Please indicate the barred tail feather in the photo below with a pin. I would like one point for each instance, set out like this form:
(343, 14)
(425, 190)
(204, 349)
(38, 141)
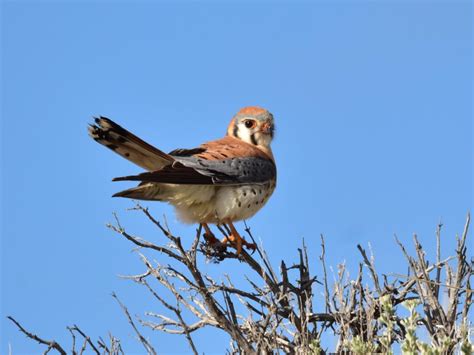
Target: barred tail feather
(129, 146)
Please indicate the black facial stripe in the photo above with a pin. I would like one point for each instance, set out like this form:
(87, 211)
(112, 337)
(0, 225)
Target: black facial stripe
(236, 131)
(253, 139)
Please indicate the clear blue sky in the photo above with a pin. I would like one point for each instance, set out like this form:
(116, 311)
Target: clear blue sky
(374, 137)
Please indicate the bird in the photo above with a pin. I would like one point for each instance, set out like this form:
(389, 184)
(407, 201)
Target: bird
(220, 182)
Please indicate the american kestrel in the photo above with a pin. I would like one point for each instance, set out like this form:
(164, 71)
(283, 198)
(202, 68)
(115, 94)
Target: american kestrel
(220, 182)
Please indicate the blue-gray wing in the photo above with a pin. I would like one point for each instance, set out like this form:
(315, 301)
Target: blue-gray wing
(233, 170)
(194, 170)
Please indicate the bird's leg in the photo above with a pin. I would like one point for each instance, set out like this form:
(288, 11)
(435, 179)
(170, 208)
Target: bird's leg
(237, 240)
(208, 235)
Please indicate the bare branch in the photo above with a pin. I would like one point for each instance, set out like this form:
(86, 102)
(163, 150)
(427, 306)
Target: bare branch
(280, 312)
(52, 344)
(146, 344)
(87, 339)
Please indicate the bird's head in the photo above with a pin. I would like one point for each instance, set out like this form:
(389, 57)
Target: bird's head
(253, 125)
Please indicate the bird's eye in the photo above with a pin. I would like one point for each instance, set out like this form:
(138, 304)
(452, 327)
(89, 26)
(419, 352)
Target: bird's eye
(249, 123)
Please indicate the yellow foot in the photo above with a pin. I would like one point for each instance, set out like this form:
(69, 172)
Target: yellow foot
(237, 241)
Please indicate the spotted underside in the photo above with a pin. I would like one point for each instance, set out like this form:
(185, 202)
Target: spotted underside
(206, 203)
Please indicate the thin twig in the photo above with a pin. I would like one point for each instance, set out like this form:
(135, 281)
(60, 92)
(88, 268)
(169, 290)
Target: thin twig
(50, 343)
(142, 339)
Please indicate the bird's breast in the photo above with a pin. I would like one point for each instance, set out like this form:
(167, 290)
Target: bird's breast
(220, 204)
(237, 203)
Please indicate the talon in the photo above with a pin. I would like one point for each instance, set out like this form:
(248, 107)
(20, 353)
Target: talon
(251, 246)
(211, 238)
(237, 241)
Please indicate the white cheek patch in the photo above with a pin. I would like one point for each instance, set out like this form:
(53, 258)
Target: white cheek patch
(244, 134)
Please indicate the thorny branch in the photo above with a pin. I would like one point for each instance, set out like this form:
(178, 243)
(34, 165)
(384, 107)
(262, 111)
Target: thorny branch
(281, 312)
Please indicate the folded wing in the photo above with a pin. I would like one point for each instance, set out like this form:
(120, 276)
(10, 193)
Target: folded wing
(197, 171)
